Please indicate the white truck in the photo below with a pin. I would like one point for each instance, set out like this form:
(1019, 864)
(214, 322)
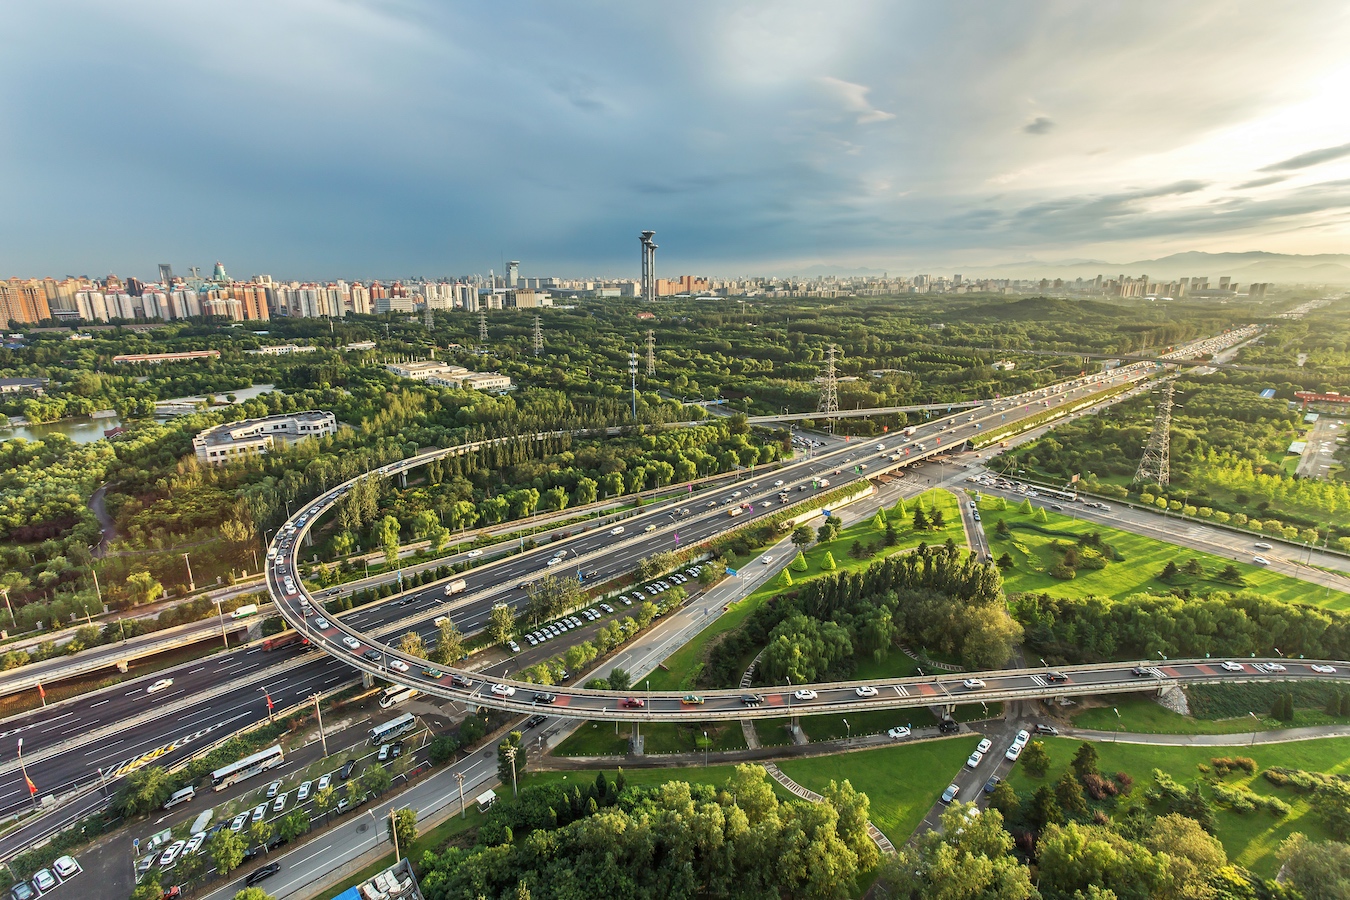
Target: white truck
(456, 586)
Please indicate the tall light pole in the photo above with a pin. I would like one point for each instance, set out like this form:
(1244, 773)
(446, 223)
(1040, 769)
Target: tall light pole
(459, 777)
(848, 733)
(192, 585)
(225, 639)
(318, 714)
(1256, 723)
(393, 831)
(14, 623)
(706, 742)
(510, 752)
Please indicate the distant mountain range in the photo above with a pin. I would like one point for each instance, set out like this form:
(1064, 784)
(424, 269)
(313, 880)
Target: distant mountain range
(1244, 268)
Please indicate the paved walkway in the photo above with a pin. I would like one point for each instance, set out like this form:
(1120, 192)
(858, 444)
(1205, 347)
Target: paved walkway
(1238, 739)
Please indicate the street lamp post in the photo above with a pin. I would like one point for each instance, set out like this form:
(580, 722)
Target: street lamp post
(14, 623)
(848, 733)
(318, 714)
(224, 637)
(1117, 712)
(705, 749)
(1256, 723)
(510, 752)
(192, 585)
(459, 777)
(393, 831)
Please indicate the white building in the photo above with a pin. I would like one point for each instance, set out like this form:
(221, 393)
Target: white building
(424, 369)
(234, 441)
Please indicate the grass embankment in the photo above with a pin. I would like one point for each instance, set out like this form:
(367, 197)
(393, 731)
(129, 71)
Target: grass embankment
(1142, 716)
(1030, 544)
(602, 739)
(903, 782)
(680, 670)
(1250, 839)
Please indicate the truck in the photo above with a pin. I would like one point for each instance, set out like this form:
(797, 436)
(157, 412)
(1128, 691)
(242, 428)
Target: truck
(244, 611)
(909, 432)
(735, 511)
(824, 482)
(285, 639)
(456, 586)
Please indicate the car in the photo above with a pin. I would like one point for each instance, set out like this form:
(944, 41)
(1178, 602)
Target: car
(398, 665)
(545, 698)
(948, 726)
(22, 891)
(897, 733)
(984, 745)
(752, 699)
(343, 805)
(1229, 666)
(973, 684)
(503, 690)
(865, 690)
(950, 793)
(160, 685)
(768, 560)
(1269, 667)
(474, 553)
(44, 880)
(193, 844)
(348, 767)
(273, 789)
(1055, 677)
(169, 856)
(634, 703)
(258, 812)
(324, 782)
(553, 562)
(66, 866)
(1323, 670)
(977, 517)
(1056, 507)
(534, 721)
(237, 824)
(778, 483)
(991, 784)
(1262, 545)
(351, 642)
(279, 804)
(432, 672)
(1022, 737)
(302, 793)
(1014, 750)
(320, 622)
(691, 700)
(513, 646)
(804, 694)
(1260, 560)
(262, 874)
(974, 759)
(383, 755)
(1047, 729)
(373, 655)
(627, 601)
(1141, 672)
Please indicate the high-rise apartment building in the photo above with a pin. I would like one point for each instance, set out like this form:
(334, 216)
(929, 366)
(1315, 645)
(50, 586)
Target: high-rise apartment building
(512, 273)
(23, 301)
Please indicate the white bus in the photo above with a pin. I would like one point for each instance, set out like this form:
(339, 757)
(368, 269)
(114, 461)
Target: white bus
(382, 734)
(247, 767)
(396, 694)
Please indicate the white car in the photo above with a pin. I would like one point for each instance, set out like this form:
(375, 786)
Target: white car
(1260, 560)
(66, 866)
(238, 823)
(170, 854)
(554, 561)
(866, 690)
(302, 794)
(767, 560)
(974, 759)
(897, 733)
(616, 530)
(804, 694)
(398, 665)
(474, 553)
(160, 685)
(1014, 751)
(778, 483)
(279, 804)
(503, 690)
(1269, 667)
(258, 812)
(320, 622)
(1022, 737)
(973, 684)
(1229, 666)
(1323, 670)
(513, 646)
(984, 746)
(324, 781)
(194, 843)
(44, 880)
(350, 641)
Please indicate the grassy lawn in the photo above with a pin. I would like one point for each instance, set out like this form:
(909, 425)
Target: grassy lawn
(1143, 716)
(893, 665)
(877, 721)
(714, 775)
(599, 738)
(1029, 545)
(903, 782)
(681, 667)
(1250, 839)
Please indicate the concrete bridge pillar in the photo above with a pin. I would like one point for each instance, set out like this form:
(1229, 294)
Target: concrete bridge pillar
(403, 479)
(636, 742)
(367, 680)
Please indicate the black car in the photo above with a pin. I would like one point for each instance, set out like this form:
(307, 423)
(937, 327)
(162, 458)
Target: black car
(396, 750)
(991, 784)
(948, 726)
(347, 768)
(373, 655)
(545, 698)
(262, 874)
(1141, 672)
(752, 699)
(1056, 677)
(532, 721)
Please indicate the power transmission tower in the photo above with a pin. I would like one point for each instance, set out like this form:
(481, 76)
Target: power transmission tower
(829, 390)
(651, 353)
(482, 325)
(1155, 467)
(538, 337)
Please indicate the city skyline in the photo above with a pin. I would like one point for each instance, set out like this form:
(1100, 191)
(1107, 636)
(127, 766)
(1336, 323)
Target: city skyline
(312, 140)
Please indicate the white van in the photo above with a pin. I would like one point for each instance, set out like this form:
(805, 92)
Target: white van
(244, 611)
(182, 796)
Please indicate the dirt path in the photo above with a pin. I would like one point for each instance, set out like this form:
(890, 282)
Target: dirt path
(105, 521)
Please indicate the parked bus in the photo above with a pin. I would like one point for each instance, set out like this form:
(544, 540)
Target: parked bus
(383, 734)
(247, 767)
(396, 694)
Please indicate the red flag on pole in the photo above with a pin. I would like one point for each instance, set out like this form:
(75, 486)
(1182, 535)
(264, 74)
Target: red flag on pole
(32, 788)
(41, 692)
(269, 700)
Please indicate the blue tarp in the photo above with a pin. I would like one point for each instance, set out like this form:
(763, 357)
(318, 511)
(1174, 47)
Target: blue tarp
(1268, 393)
(350, 893)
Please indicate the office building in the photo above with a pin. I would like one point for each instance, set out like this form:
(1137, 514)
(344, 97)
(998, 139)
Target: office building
(512, 273)
(234, 441)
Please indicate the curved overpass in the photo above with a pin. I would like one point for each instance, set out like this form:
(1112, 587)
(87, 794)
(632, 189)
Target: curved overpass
(381, 660)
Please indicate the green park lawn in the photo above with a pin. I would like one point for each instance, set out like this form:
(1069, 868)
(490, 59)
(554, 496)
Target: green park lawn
(1250, 839)
(1142, 716)
(601, 739)
(903, 782)
(1029, 546)
(680, 670)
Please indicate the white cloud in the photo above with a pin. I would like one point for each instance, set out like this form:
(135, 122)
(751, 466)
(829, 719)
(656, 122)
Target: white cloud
(853, 97)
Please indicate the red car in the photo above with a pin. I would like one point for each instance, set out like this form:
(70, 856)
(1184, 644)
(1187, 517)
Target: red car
(634, 703)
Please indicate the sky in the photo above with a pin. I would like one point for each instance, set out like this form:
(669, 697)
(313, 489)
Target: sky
(317, 139)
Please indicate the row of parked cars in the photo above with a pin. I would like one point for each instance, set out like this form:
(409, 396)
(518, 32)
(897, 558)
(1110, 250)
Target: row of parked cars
(44, 880)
